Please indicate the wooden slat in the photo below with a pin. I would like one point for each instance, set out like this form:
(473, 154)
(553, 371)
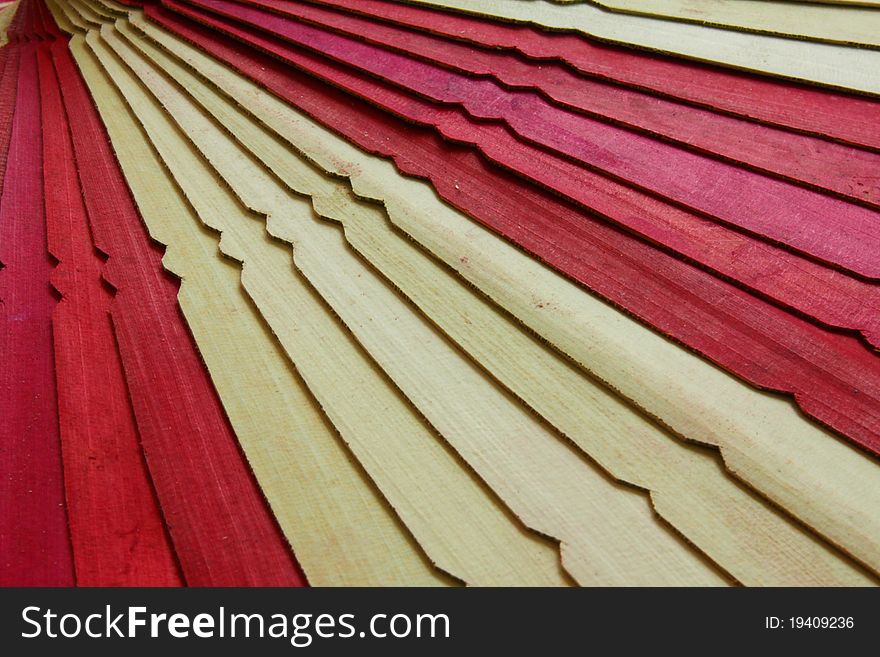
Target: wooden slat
(806, 160)
(462, 528)
(859, 26)
(825, 228)
(765, 345)
(608, 534)
(342, 530)
(757, 432)
(118, 539)
(749, 538)
(222, 529)
(35, 545)
(825, 64)
(822, 113)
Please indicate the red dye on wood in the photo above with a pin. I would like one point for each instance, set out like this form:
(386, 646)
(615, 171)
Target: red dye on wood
(43, 21)
(842, 170)
(4, 52)
(834, 378)
(810, 288)
(117, 530)
(34, 542)
(8, 83)
(827, 114)
(220, 524)
(829, 229)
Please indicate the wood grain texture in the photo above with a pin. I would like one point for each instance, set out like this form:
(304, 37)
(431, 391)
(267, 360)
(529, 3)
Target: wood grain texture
(817, 291)
(817, 63)
(748, 538)
(814, 224)
(608, 534)
(118, 539)
(821, 113)
(856, 26)
(756, 432)
(342, 530)
(763, 344)
(810, 288)
(219, 522)
(9, 61)
(809, 161)
(461, 526)
(35, 545)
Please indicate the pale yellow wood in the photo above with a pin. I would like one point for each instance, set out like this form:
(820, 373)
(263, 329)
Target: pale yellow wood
(819, 63)
(830, 486)
(61, 18)
(116, 8)
(88, 17)
(341, 529)
(858, 26)
(458, 522)
(104, 10)
(68, 19)
(608, 532)
(753, 541)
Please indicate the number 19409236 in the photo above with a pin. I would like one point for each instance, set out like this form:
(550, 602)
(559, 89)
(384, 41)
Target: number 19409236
(809, 622)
